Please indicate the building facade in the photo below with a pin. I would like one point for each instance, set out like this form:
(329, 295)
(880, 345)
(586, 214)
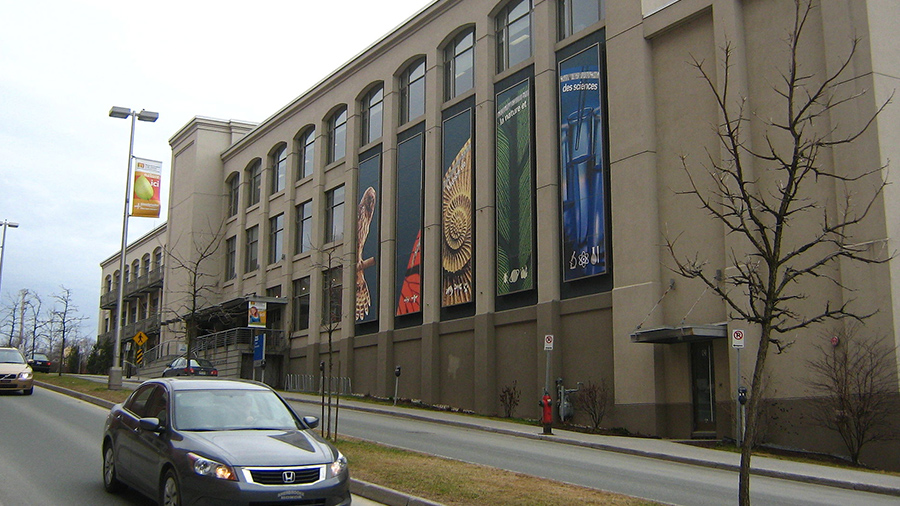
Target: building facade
(488, 175)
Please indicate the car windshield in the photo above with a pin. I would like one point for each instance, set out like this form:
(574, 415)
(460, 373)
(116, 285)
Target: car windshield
(200, 362)
(11, 357)
(41, 356)
(210, 410)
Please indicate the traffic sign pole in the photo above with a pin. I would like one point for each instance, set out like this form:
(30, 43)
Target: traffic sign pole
(737, 342)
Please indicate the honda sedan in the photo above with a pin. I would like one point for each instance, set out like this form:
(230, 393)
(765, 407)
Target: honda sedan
(204, 441)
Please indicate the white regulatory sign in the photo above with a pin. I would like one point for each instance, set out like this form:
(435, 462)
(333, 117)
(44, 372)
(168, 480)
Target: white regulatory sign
(737, 338)
(548, 342)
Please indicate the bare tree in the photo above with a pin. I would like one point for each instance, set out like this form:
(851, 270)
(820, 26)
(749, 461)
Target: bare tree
(331, 320)
(67, 321)
(594, 399)
(199, 286)
(856, 380)
(764, 285)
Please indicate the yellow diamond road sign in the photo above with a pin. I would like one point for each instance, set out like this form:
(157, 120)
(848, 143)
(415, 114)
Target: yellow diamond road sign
(140, 338)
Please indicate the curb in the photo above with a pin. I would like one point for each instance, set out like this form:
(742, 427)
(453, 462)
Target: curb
(361, 488)
(784, 475)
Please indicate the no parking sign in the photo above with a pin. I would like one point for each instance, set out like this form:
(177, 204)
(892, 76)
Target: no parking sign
(737, 338)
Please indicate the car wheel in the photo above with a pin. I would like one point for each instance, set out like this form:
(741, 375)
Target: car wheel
(28, 391)
(169, 490)
(110, 481)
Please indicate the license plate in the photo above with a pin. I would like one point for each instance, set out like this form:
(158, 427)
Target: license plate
(201, 373)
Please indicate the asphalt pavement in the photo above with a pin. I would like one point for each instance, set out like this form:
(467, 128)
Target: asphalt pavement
(646, 447)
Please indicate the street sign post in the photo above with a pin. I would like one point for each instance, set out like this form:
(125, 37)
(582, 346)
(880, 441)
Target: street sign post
(259, 354)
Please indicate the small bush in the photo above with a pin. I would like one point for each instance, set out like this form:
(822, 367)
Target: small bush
(509, 398)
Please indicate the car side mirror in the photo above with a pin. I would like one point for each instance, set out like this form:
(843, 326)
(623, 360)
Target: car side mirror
(311, 422)
(151, 424)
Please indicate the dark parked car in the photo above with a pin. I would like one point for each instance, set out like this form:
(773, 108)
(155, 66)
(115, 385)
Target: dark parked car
(197, 367)
(39, 362)
(203, 441)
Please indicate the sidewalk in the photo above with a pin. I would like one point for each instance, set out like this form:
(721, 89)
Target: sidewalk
(644, 447)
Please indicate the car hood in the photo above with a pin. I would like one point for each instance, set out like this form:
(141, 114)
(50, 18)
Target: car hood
(7, 368)
(264, 447)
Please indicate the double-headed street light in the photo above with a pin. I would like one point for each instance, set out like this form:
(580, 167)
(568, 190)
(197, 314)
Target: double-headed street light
(10, 224)
(115, 373)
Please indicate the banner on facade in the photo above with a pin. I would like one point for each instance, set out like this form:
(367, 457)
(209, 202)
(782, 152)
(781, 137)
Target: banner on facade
(514, 190)
(367, 225)
(457, 220)
(256, 314)
(408, 262)
(581, 126)
(145, 201)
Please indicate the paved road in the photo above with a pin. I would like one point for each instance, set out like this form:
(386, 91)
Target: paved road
(658, 480)
(50, 453)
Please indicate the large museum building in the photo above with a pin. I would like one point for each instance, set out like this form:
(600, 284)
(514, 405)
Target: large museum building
(483, 198)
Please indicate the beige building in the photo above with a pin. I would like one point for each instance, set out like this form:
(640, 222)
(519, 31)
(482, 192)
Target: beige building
(488, 175)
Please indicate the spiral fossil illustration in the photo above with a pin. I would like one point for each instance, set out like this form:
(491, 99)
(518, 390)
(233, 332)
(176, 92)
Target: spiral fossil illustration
(456, 214)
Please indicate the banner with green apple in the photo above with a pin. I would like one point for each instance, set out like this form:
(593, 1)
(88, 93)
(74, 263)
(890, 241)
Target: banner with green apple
(145, 191)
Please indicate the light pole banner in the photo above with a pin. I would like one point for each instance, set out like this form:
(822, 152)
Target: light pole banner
(145, 189)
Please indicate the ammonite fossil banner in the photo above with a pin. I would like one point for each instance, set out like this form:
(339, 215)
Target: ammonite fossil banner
(457, 220)
(583, 197)
(410, 169)
(515, 190)
(367, 233)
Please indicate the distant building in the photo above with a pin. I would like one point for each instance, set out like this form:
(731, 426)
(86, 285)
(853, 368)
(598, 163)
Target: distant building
(490, 174)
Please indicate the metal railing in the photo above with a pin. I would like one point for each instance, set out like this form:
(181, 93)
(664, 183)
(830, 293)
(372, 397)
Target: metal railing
(311, 383)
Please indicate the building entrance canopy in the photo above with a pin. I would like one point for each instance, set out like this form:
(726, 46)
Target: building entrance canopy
(682, 334)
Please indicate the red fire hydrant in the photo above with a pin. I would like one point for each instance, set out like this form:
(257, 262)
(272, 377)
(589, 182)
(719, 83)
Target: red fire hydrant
(547, 413)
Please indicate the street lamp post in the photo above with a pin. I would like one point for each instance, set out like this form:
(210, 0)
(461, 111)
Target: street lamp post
(9, 224)
(115, 373)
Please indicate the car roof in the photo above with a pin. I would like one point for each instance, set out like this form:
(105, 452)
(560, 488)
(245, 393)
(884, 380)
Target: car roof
(180, 384)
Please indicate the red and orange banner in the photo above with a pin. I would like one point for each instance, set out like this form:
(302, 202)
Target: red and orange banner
(145, 188)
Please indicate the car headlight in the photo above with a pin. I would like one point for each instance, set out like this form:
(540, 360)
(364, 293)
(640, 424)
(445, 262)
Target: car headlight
(206, 467)
(25, 375)
(339, 465)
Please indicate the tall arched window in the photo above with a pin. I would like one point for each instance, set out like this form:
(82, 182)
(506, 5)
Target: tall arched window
(459, 64)
(254, 180)
(372, 112)
(337, 135)
(234, 194)
(513, 34)
(412, 91)
(279, 168)
(305, 147)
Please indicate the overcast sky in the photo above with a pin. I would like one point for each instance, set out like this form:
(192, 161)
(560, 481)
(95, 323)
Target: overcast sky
(64, 63)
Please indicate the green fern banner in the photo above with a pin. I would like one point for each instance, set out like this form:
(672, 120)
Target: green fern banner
(515, 190)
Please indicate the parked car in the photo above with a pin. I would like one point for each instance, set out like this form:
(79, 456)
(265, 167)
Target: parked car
(15, 373)
(39, 362)
(196, 367)
(223, 441)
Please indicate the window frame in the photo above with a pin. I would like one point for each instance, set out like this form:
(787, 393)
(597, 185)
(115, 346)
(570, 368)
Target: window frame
(334, 214)
(301, 315)
(306, 152)
(276, 238)
(566, 15)
(407, 83)
(332, 289)
(372, 113)
(279, 168)
(254, 180)
(337, 135)
(304, 221)
(503, 24)
(251, 245)
(452, 57)
(231, 258)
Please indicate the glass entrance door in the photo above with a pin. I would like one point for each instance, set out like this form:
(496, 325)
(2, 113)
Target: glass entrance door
(703, 386)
